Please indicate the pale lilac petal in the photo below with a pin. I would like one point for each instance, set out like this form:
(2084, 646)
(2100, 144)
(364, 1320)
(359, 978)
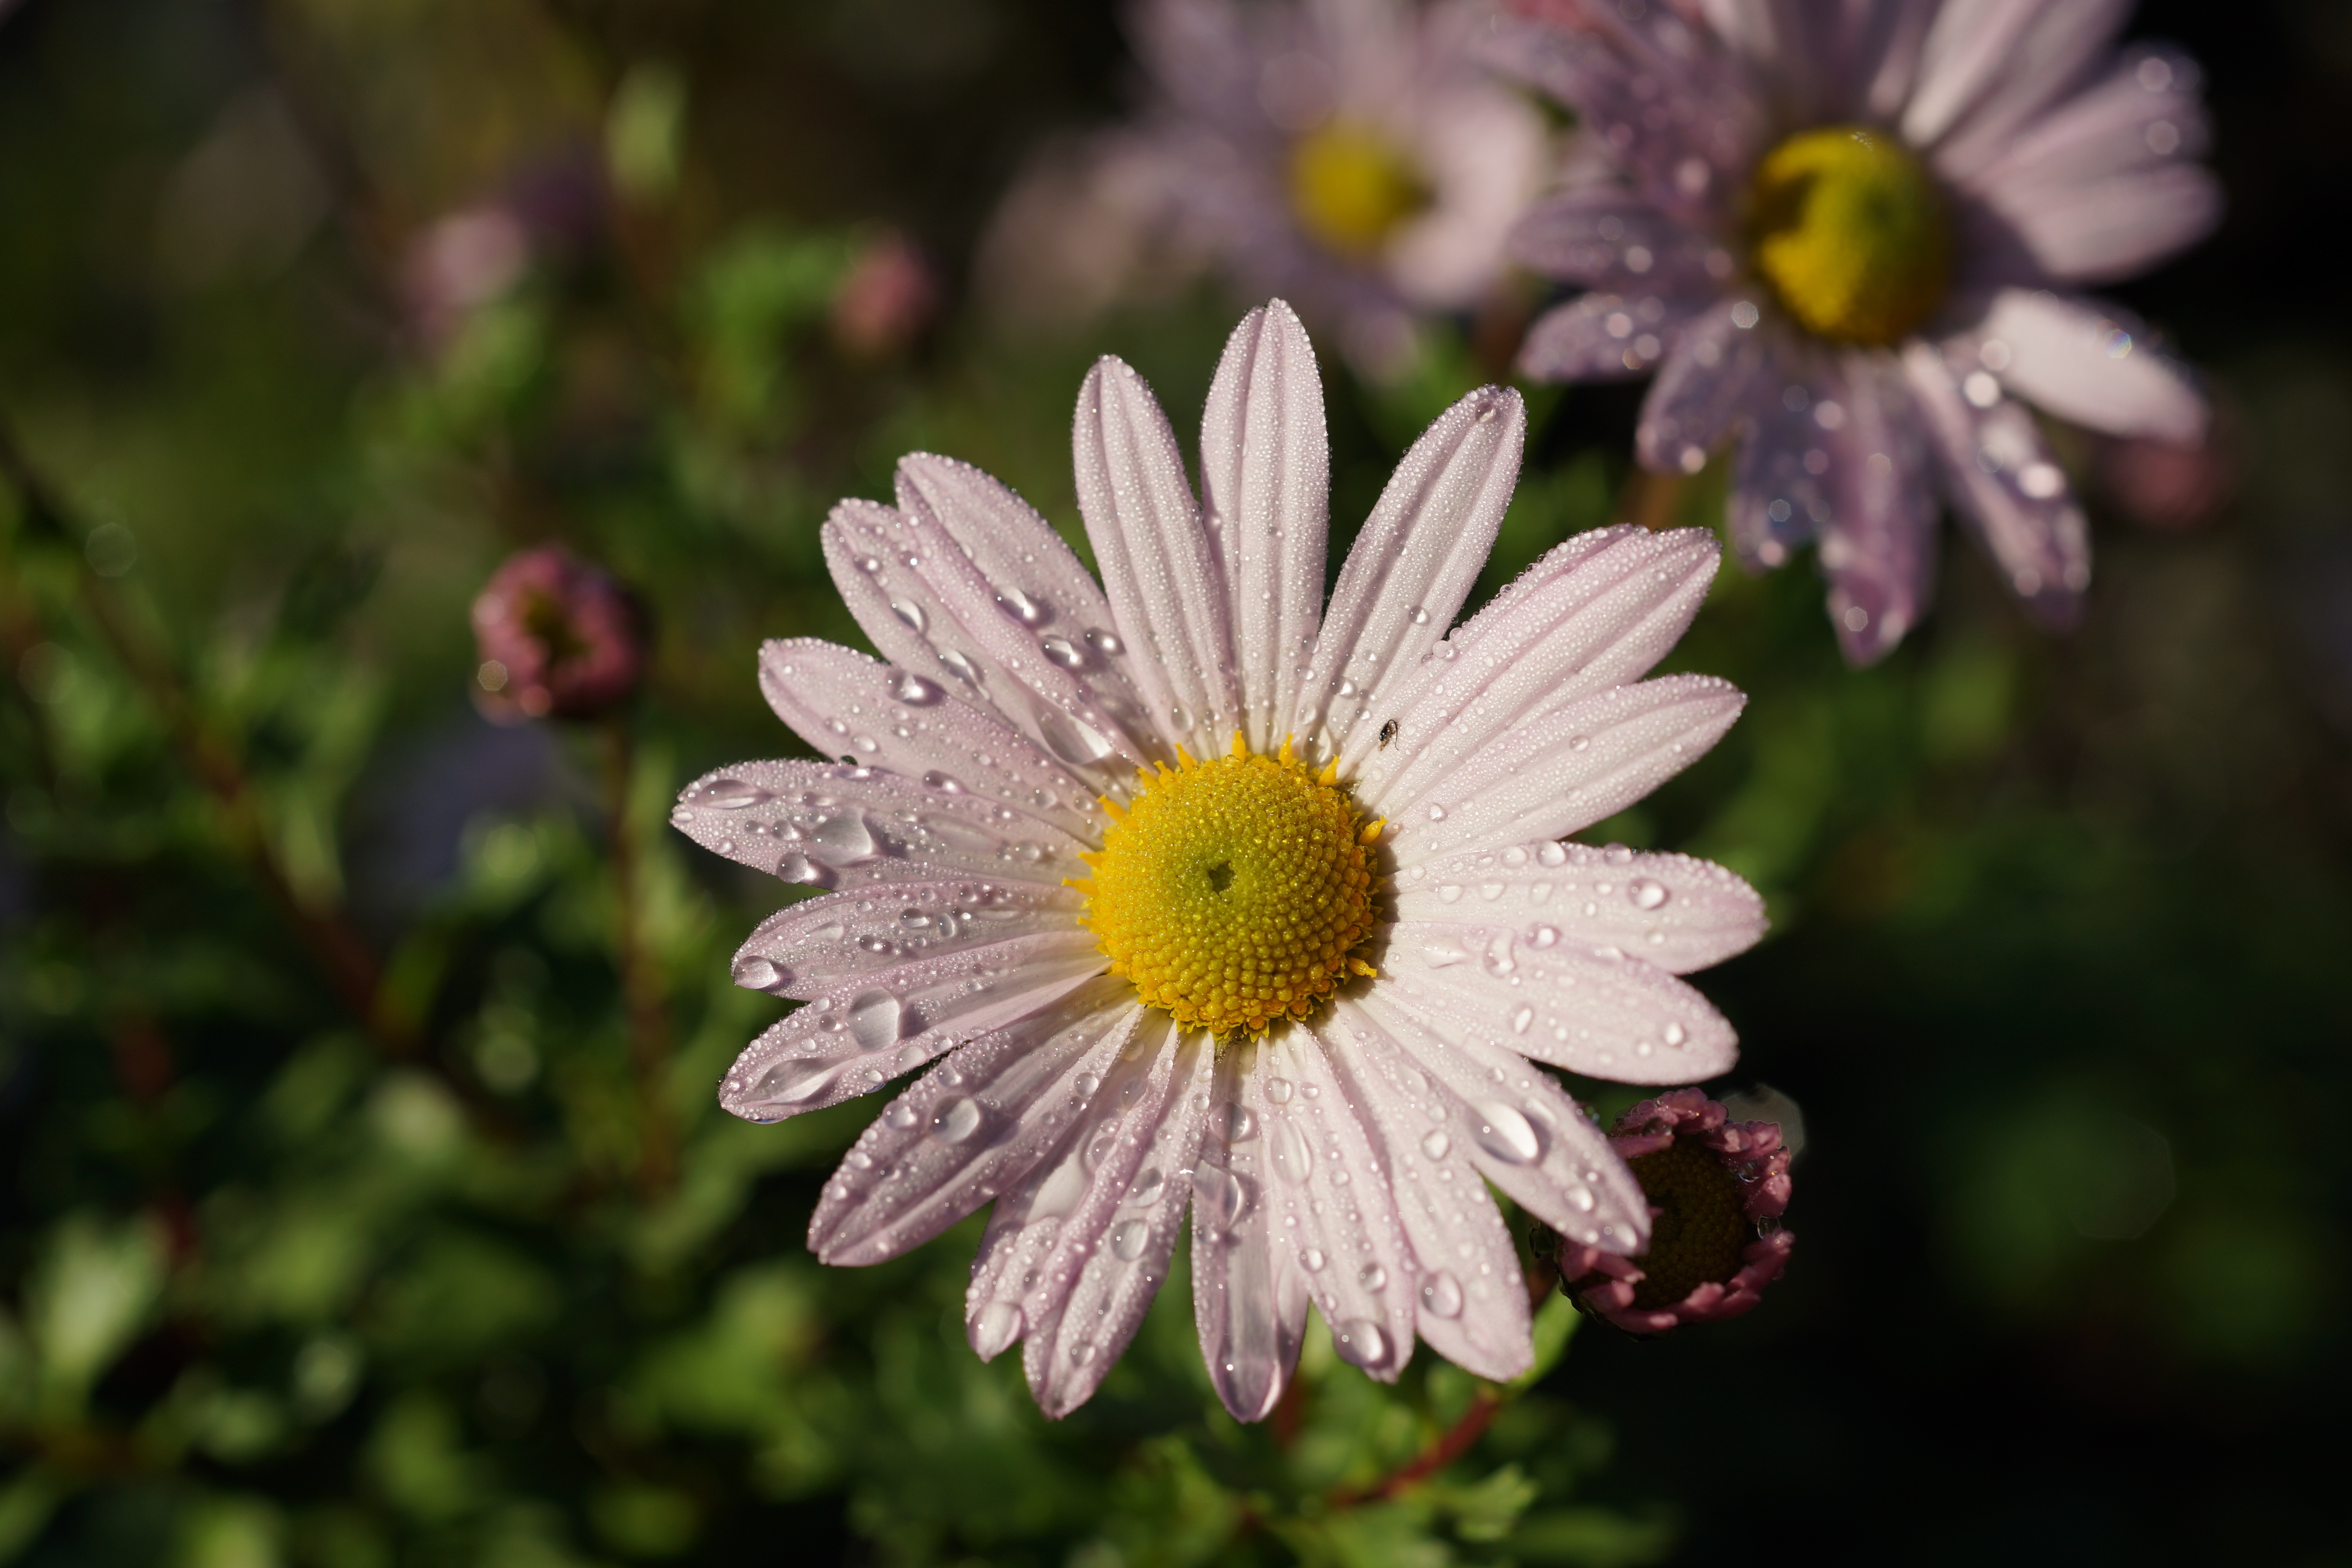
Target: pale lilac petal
(1596, 611)
(1671, 910)
(1594, 1011)
(1780, 491)
(2114, 229)
(1605, 236)
(2144, 114)
(1416, 560)
(1472, 1301)
(2002, 481)
(847, 705)
(931, 612)
(1167, 588)
(1606, 336)
(1508, 1117)
(1249, 1298)
(2091, 363)
(1105, 1304)
(1888, 57)
(854, 1040)
(1800, 53)
(829, 824)
(1568, 768)
(1989, 66)
(1878, 545)
(807, 949)
(1706, 381)
(971, 1126)
(1266, 474)
(1329, 1183)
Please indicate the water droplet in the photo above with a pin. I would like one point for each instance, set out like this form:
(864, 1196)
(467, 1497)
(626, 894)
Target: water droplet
(944, 783)
(1063, 652)
(732, 793)
(901, 1117)
(753, 973)
(1580, 742)
(1126, 1240)
(1450, 892)
(874, 1018)
(996, 1327)
(1022, 607)
(1240, 1123)
(798, 867)
(914, 688)
(1552, 853)
(1373, 1277)
(1420, 616)
(962, 669)
(1312, 1260)
(909, 612)
(1521, 1018)
(1108, 642)
(1581, 1197)
(1146, 1189)
(1072, 740)
(843, 839)
(1085, 1085)
(1279, 1090)
(1677, 1036)
(1436, 1146)
(1293, 1156)
(1645, 894)
(790, 1082)
(1442, 1294)
(1361, 1342)
(1507, 1135)
(1223, 1197)
(1436, 813)
(957, 1119)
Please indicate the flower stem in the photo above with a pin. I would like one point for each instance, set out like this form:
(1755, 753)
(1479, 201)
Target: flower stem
(1451, 1445)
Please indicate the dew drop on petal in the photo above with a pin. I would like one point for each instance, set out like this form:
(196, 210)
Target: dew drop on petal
(1312, 1260)
(790, 1082)
(1506, 1134)
(1646, 893)
(957, 1119)
(1279, 1090)
(874, 1018)
(732, 793)
(909, 612)
(915, 689)
(1293, 1156)
(753, 973)
(1239, 1124)
(1373, 1277)
(900, 1116)
(1146, 1187)
(1442, 1294)
(996, 1327)
(1128, 1240)
(1361, 1342)
(1436, 1146)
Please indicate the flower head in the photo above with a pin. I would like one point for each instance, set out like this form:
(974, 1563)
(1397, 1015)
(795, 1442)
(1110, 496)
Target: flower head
(558, 637)
(1717, 1189)
(1204, 895)
(1846, 238)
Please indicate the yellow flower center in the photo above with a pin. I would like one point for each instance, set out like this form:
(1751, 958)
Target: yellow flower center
(1351, 188)
(1849, 229)
(1234, 892)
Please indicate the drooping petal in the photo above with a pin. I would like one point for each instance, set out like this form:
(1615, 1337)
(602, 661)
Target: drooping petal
(1416, 560)
(973, 1126)
(2091, 363)
(1670, 910)
(829, 824)
(1167, 588)
(1703, 387)
(847, 705)
(1606, 336)
(1878, 542)
(2002, 481)
(1565, 769)
(807, 949)
(1265, 475)
(1471, 1301)
(1249, 1298)
(1512, 1121)
(851, 1041)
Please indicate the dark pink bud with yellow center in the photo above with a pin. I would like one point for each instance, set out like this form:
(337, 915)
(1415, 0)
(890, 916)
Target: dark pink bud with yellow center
(558, 638)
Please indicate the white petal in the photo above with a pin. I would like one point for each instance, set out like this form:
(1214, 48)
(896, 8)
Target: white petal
(1780, 489)
(1989, 66)
(1249, 1298)
(1878, 542)
(847, 705)
(1566, 768)
(1416, 560)
(2004, 483)
(1596, 612)
(829, 824)
(2112, 229)
(1670, 910)
(2145, 113)
(1471, 1299)
(1702, 387)
(1606, 336)
(971, 1126)
(1594, 1011)
(809, 948)
(1116, 1282)
(1524, 1134)
(1167, 589)
(854, 1040)
(2090, 363)
(1327, 1186)
(1266, 474)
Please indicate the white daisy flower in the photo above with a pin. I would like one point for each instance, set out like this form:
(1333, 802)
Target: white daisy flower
(1206, 896)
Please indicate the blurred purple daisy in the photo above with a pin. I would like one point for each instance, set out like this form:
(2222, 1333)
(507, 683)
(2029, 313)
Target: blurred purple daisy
(1209, 895)
(1845, 237)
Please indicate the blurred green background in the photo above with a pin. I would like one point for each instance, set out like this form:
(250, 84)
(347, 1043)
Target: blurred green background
(364, 1199)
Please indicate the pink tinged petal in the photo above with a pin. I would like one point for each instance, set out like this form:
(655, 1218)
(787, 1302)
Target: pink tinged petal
(1471, 1301)
(1249, 1298)
(1888, 57)
(1117, 1278)
(1675, 912)
(1266, 474)
(1989, 66)
(931, 612)
(1607, 237)
(2116, 227)
(2091, 363)
(2144, 114)
(1569, 768)
(1416, 560)
(973, 1126)
(810, 948)
(1594, 613)
(2003, 481)
(847, 705)
(1334, 1213)
(1605, 336)
(1167, 588)
(1594, 1011)
(1779, 490)
(1878, 546)
(829, 824)
(1511, 1120)
(853, 1040)
(1704, 385)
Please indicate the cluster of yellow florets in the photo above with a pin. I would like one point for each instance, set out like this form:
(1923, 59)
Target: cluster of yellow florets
(1235, 891)
(1850, 232)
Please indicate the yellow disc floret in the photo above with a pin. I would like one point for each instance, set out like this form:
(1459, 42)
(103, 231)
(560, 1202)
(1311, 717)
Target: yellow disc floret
(1236, 891)
(1351, 188)
(1850, 231)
